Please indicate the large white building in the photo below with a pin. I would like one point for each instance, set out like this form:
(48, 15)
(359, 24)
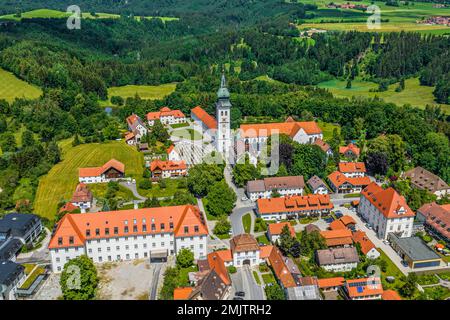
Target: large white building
(129, 234)
(110, 171)
(285, 186)
(386, 211)
(166, 116)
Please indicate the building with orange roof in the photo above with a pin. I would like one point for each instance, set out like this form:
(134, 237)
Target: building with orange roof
(350, 151)
(168, 169)
(130, 138)
(245, 250)
(390, 295)
(337, 259)
(352, 169)
(324, 146)
(337, 225)
(182, 293)
(337, 238)
(363, 289)
(110, 171)
(137, 128)
(82, 197)
(331, 284)
(274, 230)
(149, 233)
(293, 207)
(68, 207)
(173, 154)
(203, 119)
(386, 211)
(367, 246)
(166, 116)
(340, 183)
(436, 219)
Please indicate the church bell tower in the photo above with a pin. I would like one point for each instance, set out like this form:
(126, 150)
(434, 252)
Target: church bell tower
(223, 110)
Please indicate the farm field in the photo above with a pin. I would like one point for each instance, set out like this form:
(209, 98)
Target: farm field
(400, 18)
(62, 179)
(12, 87)
(49, 13)
(144, 92)
(414, 94)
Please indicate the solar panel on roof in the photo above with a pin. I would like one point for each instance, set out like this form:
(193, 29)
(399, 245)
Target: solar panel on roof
(360, 289)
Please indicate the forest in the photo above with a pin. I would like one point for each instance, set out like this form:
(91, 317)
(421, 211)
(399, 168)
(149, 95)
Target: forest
(75, 68)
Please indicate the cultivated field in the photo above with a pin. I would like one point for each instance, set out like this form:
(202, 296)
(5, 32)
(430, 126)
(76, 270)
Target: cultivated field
(400, 18)
(144, 92)
(62, 179)
(12, 87)
(413, 94)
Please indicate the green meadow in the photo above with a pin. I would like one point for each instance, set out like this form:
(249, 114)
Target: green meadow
(12, 87)
(144, 92)
(413, 94)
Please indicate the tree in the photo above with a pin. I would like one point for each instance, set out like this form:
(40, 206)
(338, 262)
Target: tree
(349, 84)
(28, 138)
(53, 152)
(220, 199)
(151, 203)
(223, 226)
(79, 279)
(202, 177)
(274, 292)
(185, 258)
(76, 140)
(183, 197)
(159, 132)
(377, 163)
(409, 287)
(8, 142)
(243, 172)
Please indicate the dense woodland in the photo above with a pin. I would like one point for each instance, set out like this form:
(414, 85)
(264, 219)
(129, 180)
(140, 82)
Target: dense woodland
(75, 68)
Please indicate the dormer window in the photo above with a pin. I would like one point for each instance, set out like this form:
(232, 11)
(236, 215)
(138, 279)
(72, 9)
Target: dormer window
(88, 233)
(153, 227)
(116, 230)
(107, 231)
(144, 228)
(60, 241)
(162, 226)
(186, 229)
(135, 229)
(125, 229)
(97, 232)
(195, 228)
(71, 240)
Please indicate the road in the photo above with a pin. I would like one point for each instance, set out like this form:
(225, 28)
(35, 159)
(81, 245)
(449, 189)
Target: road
(40, 255)
(236, 218)
(243, 280)
(155, 280)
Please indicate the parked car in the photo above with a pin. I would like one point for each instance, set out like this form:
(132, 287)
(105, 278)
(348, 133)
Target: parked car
(238, 298)
(329, 220)
(240, 294)
(386, 242)
(368, 226)
(230, 232)
(244, 198)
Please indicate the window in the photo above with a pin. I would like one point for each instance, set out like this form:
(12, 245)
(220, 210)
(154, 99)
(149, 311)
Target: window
(58, 259)
(145, 246)
(195, 228)
(117, 248)
(59, 268)
(71, 240)
(60, 241)
(118, 257)
(128, 256)
(97, 232)
(171, 225)
(108, 249)
(125, 229)
(100, 259)
(127, 247)
(136, 255)
(135, 246)
(99, 249)
(107, 231)
(153, 227)
(144, 228)
(135, 229)
(186, 229)
(134, 221)
(162, 244)
(116, 230)
(88, 233)
(162, 226)
(145, 254)
(109, 258)
(90, 250)
(126, 222)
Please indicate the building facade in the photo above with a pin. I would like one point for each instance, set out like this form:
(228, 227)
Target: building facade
(285, 186)
(110, 171)
(167, 116)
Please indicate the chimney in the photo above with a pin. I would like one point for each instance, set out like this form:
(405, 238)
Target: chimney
(83, 210)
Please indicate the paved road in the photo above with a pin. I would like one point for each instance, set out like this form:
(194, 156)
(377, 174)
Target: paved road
(155, 280)
(236, 218)
(40, 255)
(243, 280)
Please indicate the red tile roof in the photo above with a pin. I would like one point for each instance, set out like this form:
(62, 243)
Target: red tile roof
(132, 119)
(331, 282)
(280, 268)
(167, 165)
(129, 136)
(265, 251)
(97, 171)
(338, 179)
(294, 204)
(390, 295)
(207, 119)
(337, 237)
(217, 264)
(277, 228)
(337, 225)
(350, 147)
(156, 220)
(182, 293)
(346, 220)
(82, 194)
(288, 128)
(349, 167)
(169, 149)
(68, 207)
(438, 217)
(165, 112)
(387, 201)
(322, 144)
(244, 242)
(365, 243)
(364, 287)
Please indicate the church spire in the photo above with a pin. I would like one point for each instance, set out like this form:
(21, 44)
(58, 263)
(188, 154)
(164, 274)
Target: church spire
(223, 92)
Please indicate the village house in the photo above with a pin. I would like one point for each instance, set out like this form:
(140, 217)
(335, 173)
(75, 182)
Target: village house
(172, 154)
(82, 197)
(307, 289)
(338, 259)
(294, 207)
(167, 116)
(285, 186)
(350, 151)
(69, 207)
(12, 276)
(324, 146)
(137, 129)
(425, 180)
(149, 233)
(339, 183)
(274, 230)
(367, 246)
(25, 227)
(110, 171)
(363, 289)
(331, 284)
(436, 220)
(337, 238)
(317, 185)
(352, 169)
(168, 169)
(386, 211)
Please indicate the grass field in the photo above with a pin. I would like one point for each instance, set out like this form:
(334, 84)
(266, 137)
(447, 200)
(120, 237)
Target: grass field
(144, 92)
(12, 87)
(400, 18)
(247, 222)
(327, 129)
(62, 179)
(99, 191)
(413, 94)
(189, 134)
(49, 13)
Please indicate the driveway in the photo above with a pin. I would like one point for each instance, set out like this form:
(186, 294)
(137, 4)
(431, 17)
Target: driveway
(155, 280)
(243, 280)
(132, 186)
(40, 255)
(236, 218)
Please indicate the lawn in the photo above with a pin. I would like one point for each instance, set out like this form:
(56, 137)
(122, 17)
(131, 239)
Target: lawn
(256, 276)
(187, 134)
(327, 129)
(268, 278)
(28, 267)
(247, 222)
(172, 186)
(263, 239)
(99, 191)
(12, 87)
(391, 270)
(60, 182)
(413, 94)
(32, 277)
(144, 92)
(179, 125)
